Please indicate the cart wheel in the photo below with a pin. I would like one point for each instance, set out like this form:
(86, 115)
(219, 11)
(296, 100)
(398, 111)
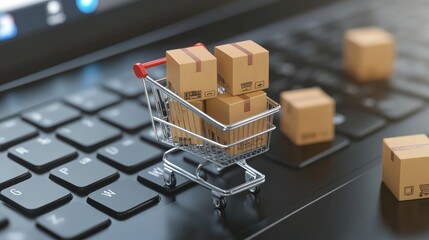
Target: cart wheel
(170, 179)
(255, 189)
(219, 202)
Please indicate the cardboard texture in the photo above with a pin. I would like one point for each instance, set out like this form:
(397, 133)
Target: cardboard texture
(369, 54)
(185, 118)
(405, 164)
(307, 116)
(242, 67)
(192, 73)
(229, 109)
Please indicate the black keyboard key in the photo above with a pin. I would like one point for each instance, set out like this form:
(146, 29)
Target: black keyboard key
(14, 131)
(88, 134)
(126, 86)
(282, 150)
(393, 106)
(84, 175)
(357, 124)
(51, 116)
(123, 199)
(149, 135)
(153, 177)
(42, 154)
(35, 196)
(128, 116)
(322, 77)
(130, 155)
(3, 221)
(92, 100)
(413, 88)
(11, 173)
(73, 221)
(412, 68)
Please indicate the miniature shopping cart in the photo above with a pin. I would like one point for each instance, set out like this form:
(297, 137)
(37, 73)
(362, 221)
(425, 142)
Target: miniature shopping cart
(206, 143)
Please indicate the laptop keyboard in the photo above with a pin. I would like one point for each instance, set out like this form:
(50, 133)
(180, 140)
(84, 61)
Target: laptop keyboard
(86, 142)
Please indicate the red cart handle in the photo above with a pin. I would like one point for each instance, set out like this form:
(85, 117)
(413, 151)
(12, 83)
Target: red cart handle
(140, 68)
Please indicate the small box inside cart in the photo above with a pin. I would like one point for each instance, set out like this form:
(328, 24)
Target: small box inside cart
(192, 73)
(229, 109)
(405, 166)
(306, 116)
(183, 117)
(242, 67)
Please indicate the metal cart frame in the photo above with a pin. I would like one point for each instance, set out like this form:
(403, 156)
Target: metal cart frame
(211, 149)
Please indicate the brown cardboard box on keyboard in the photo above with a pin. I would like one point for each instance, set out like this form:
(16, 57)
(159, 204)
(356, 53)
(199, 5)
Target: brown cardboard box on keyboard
(405, 164)
(228, 109)
(192, 73)
(185, 118)
(369, 54)
(242, 67)
(307, 116)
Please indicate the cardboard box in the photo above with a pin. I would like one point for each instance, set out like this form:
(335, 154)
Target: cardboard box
(229, 109)
(242, 67)
(405, 164)
(369, 54)
(307, 116)
(185, 118)
(192, 73)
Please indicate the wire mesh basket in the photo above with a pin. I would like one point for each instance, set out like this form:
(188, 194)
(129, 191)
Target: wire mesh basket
(184, 127)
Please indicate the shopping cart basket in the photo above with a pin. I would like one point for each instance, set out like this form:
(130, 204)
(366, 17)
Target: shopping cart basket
(206, 142)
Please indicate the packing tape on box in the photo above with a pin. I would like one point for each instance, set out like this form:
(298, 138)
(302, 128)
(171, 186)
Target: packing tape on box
(193, 56)
(406, 148)
(249, 53)
(246, 102)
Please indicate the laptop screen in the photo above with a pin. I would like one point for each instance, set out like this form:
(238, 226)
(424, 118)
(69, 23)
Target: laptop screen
(21, 18)
(38, 34)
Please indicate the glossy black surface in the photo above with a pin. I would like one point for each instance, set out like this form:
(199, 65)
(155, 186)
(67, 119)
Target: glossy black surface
(92, 100)
(51, 116)
(35, 196)
(123, 199)
(73, 221)
(313, 55)
(357, 124)
(11, 173)
(88, 134)
(84, 175)
(130, 155)
(42, 154)
(295, 156)
(153, 176)
(14, 131)
(363, 209)
(127, 116)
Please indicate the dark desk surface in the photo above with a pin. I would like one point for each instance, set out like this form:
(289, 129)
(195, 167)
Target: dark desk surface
(364, 209)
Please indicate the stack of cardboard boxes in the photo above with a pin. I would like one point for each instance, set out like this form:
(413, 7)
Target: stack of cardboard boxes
(242, 70)
(192, 75)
